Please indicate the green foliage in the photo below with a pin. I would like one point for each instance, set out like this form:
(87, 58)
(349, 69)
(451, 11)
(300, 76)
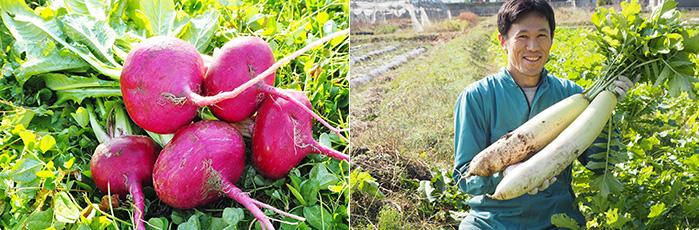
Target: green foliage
(392, 219)
(58, 83)
(603, 2)
(452, 25)
(363, 182)
(649, 182)
(385, 29)
(441, 199)
(657, 47)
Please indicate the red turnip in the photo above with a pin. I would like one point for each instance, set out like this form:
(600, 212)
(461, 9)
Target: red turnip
(283, 136)
(238, 61)
(202, 162)
(122, 165)
(242, 74)
(158, 76)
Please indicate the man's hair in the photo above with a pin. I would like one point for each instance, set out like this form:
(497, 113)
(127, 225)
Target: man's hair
(514, 10)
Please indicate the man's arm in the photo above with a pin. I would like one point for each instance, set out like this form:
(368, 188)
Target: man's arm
(470, 137)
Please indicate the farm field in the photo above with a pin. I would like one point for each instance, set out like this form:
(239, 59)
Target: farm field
(402, 133)
(60, 98)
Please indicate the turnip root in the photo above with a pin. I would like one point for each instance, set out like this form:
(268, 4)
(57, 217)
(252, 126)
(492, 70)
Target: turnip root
(242, 72)
(122, 165)
(561, 152)
(203, 161)
(158, 74)
(527, 139)
(282, 136)
(238, 61)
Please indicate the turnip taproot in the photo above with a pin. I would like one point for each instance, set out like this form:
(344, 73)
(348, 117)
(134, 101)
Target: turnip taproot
(122, 165)
(203, 161)
(282, 136)
(158, 74)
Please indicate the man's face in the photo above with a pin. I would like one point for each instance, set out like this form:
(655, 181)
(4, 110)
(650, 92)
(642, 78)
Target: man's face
(528, 43)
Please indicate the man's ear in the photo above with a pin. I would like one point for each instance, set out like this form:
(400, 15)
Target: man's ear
(501, 38)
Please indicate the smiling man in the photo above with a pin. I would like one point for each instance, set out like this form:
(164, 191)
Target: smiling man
(493, 106)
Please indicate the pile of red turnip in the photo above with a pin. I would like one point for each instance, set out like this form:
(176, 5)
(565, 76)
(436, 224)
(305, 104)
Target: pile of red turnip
(164, 83)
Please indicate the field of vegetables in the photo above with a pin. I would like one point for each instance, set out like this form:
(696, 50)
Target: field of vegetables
(402, 131)
(60, 98)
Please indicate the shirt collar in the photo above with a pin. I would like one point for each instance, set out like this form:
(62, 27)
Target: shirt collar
(543, 82)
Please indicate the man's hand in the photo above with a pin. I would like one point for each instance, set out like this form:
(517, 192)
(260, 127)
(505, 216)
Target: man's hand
(623, 84)
(535, 190)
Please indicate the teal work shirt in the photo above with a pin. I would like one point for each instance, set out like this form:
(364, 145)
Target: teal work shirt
(485, 111)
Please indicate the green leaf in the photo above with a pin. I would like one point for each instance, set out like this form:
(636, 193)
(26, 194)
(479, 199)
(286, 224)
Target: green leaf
(691, 44)
(81, 116)
(271, 30)
(320, 173)
(426, 189)
(317, 216)
(562, 220)
(615, 220)
(597, 18)
(24, 171)
(296, 194)
(200, 30)
(160, 14)
(692, 162)
(45, 174)
(364, 183)
(47, 142)
(673, 41)
(25, 25)
(309, 190)
(69, 164)
(44, 57)
(656, 210)
(322, 17)
(101, 222)
(233, 215)
(191, 224)
(57, 82)
(98, 36)
(255, 21)
(664, 74)
(592, 165)
(177, 217)
(325, 140)
(606, 184)
(28, 138)
(73, 6)
(40, 220)
(78, 95)
(65, 208)
(680, 83)
(20, 119)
